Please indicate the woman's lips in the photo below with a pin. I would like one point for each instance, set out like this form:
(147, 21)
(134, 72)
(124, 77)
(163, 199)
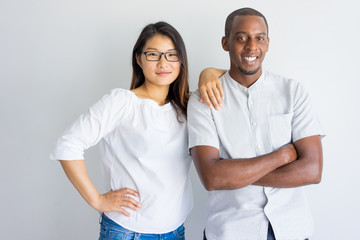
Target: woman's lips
(163, 73)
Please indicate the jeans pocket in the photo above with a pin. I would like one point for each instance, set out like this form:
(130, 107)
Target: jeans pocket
(180, 232)
(102, 232)
(109, 230)
(116, 235)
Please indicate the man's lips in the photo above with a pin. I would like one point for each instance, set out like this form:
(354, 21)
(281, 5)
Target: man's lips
(251, 60)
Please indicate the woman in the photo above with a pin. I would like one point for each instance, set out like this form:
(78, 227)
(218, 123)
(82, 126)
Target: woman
(143, 144)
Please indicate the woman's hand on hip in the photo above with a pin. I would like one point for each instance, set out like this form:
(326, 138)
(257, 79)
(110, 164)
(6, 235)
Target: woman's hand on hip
(114, 201)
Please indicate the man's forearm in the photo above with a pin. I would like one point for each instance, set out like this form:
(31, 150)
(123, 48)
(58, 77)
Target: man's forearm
(295, 174)
(307, 169)
(228, 174)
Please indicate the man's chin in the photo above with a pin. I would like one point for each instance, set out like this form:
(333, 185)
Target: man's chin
(248, 72)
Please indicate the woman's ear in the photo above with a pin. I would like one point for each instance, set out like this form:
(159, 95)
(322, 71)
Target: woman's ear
(138, 60)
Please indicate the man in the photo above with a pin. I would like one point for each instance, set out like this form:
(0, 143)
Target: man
(254, 153)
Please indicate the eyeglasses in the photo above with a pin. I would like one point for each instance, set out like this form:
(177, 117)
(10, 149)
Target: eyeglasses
(156, 56)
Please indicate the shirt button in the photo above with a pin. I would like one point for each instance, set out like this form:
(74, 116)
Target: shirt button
(251, 102)
(245, 89)
(258, 147)
(254, 124)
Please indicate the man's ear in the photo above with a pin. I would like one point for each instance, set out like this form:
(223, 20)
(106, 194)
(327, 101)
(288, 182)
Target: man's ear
(267, 47)
(224, 42)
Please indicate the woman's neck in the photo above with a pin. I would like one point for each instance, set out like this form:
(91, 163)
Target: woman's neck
(154, 92)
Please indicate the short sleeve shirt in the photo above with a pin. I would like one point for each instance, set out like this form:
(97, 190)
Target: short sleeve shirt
(255, 121)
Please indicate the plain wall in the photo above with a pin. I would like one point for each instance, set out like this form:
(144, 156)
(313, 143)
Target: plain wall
(58, 57)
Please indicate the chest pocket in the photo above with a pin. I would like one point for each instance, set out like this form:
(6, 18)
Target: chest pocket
(280, 129)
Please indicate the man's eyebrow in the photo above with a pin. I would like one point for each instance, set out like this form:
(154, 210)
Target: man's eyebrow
(260, 33)
(241, 32)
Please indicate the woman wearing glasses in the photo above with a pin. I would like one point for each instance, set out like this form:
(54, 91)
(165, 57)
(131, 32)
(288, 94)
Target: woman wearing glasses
(143, 144)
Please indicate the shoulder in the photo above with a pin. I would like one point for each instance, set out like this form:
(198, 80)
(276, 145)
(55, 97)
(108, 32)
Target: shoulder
(195, 95)
(283, 82)
(194, 100)
(117, 94)
(114, 101)
(195, 107)
(279, 78)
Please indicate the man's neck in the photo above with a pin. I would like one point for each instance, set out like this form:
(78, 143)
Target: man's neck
(244, 79)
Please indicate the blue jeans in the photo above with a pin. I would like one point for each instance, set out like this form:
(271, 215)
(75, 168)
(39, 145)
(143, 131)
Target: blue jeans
(271, 235)
(110, 230)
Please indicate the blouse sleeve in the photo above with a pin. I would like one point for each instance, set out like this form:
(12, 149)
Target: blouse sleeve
(90, 127)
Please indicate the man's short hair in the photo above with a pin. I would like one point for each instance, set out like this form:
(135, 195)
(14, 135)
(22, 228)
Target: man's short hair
(242, 12)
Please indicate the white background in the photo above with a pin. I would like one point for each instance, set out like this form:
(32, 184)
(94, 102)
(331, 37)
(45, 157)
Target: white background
(59, 57)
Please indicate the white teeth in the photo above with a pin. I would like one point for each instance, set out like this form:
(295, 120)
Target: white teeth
(250, 59)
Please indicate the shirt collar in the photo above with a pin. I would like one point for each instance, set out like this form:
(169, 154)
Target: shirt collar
(237, 85)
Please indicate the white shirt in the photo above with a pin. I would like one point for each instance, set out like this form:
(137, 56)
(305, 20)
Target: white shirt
(144, 147)
(255, 121)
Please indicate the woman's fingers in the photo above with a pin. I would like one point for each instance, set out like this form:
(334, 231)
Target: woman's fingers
(204, 97)
(219, 87)
(117, 200)
(212, 94)
(128, 191)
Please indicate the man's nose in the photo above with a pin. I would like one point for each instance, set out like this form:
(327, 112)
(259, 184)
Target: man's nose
(251, 44)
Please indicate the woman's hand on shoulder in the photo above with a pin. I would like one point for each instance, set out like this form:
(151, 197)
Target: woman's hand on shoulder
(114, 201)
(211, 91)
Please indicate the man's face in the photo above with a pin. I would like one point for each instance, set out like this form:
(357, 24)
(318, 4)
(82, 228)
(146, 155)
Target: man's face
(247, 44)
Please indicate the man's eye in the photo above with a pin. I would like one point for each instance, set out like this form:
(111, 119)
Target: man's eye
(241, 38)
(261, 39)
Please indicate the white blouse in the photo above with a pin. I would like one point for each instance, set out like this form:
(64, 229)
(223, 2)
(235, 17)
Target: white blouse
(144, 147)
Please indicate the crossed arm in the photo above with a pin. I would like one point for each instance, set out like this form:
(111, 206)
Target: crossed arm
(290, 166)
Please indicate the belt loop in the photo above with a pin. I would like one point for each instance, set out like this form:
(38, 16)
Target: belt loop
(100, 218)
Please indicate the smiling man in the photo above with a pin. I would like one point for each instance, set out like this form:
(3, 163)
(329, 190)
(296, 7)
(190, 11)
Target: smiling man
(255, 153)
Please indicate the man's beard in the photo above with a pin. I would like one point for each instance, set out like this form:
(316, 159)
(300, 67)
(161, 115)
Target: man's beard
(243, 71)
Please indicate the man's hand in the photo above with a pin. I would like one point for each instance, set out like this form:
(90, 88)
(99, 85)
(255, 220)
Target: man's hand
(288, 152)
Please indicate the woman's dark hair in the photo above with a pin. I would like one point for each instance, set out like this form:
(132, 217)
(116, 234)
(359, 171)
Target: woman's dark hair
(178, 94)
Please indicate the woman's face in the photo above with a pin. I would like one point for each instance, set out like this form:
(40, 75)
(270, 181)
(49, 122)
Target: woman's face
(162, 72)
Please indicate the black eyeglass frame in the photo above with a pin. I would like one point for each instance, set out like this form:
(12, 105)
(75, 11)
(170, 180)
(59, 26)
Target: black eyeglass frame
(161, 53)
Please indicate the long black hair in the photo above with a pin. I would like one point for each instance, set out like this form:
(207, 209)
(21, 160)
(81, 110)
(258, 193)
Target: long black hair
(178, 94)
